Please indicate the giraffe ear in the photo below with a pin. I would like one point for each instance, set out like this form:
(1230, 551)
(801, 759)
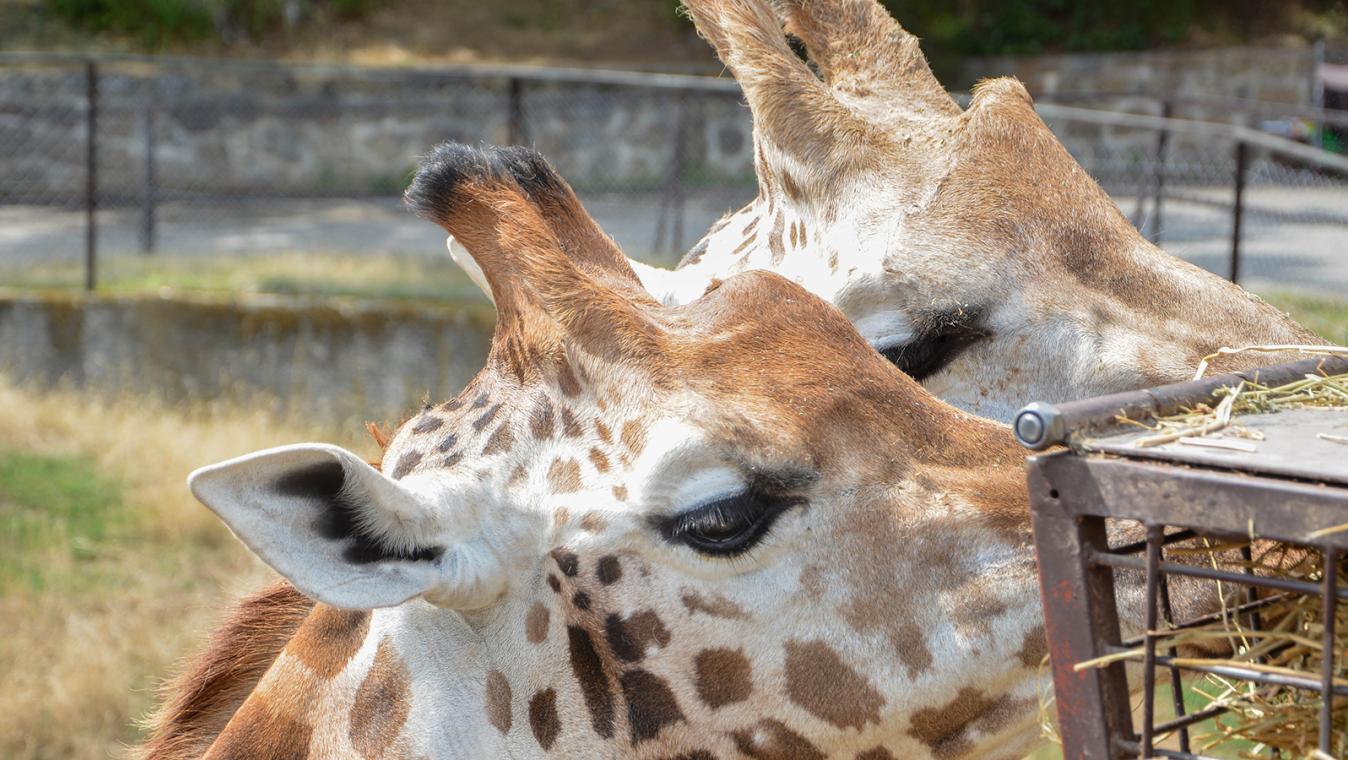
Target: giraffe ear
(341, 531)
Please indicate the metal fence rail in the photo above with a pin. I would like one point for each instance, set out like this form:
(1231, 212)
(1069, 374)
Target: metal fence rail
(211, 158)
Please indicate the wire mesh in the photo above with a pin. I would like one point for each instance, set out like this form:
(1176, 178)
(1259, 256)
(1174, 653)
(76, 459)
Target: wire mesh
(201, 160)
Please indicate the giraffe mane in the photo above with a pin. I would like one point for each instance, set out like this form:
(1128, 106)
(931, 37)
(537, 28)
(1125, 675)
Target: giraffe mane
(201, 701)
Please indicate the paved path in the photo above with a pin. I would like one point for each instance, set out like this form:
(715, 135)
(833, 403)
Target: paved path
(1277, 255)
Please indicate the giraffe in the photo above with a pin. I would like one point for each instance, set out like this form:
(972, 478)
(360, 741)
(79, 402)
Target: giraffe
(634, 534)
(966, 245)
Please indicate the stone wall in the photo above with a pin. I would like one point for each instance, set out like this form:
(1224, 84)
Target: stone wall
(1273, 75)
(343, 363)
(240, 128)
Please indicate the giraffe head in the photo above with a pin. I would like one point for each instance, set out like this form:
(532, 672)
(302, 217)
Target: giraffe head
(639, 532)
(966, 245)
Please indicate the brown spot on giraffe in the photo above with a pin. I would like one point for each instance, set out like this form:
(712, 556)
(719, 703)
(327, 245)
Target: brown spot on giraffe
(592, 522)
(498, 701)
(594, 684)
(566, 561)
(566, 380)
(818, 680)
(609, 570)
(723, 676)
(714, 605)
(428, 423)
(581, 601)
(789, 185)
(771, 740)
(542, 421)
(634, 436)
(631, 638)
(543, 719)
(804, 237)
(1034, 648)
(259, 731)
(406, 463)
(561, 516)
(554, 584)
(744, 244)
(598, 459)
(601, 430)
(447, 443)
(329, 638)
(795, 235)
(564, 476)
(651, 704)
(620, 493)
(570, 427)
(877, 753)
(500, 441)
(943, 728)
(486, 418)
(911, 645)
(382, 703)
(775, 240)
(536, 623)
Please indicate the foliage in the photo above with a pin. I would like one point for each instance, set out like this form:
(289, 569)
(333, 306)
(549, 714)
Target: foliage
(154, 23)
(158, 23)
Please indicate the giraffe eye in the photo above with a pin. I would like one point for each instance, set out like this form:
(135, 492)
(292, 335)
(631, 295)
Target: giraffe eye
(726, 527)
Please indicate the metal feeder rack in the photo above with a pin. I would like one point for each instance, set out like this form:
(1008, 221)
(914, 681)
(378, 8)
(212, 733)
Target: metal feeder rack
(1290, 490)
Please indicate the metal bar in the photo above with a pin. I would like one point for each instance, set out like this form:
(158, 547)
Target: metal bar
(1140, 546)
(1176, 687)
(1329, 602)
(1039, 426)
(678, 164)
(1155, 534)
(1080, 622)
(1213, 617)
(1158, 174)
(1281, 145)
(1194, 571)
(1238, 210)
(516, 131)
(1183, 722)
(149, 190)
(1133, 748)
(91, 176)
(1246, 674)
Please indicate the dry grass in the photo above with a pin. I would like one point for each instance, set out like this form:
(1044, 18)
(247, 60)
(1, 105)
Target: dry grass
(85, 648)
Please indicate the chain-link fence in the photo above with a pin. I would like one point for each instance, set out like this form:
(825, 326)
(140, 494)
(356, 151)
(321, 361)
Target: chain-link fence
(198, 160)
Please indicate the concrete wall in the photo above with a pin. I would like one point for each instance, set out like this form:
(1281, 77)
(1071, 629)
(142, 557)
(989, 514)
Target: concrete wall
(343, 363)
(1275, 75)
(235, 128)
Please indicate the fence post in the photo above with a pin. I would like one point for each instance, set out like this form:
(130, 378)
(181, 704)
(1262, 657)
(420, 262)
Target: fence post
(1158, 173)
(91, 176)
(1238, 210)
(674, 189)
(149, 190)
(516, 133)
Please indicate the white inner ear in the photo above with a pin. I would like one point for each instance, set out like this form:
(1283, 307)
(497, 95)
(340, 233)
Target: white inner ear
(465, 260)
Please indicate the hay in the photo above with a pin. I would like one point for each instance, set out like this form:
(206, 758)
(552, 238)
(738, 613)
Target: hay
(1288, 640)
(1312, 391)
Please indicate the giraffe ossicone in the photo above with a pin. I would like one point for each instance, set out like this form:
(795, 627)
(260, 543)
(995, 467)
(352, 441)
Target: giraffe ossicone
(639, 533)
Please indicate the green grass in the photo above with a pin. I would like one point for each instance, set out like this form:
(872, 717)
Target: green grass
(1326, 317)
(57, 513)
(395, 277)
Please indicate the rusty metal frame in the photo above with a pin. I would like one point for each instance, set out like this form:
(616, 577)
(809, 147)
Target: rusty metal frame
(1072, 498)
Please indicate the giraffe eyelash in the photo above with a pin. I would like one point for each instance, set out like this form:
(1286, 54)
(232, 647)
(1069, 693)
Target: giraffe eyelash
(727, 527)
